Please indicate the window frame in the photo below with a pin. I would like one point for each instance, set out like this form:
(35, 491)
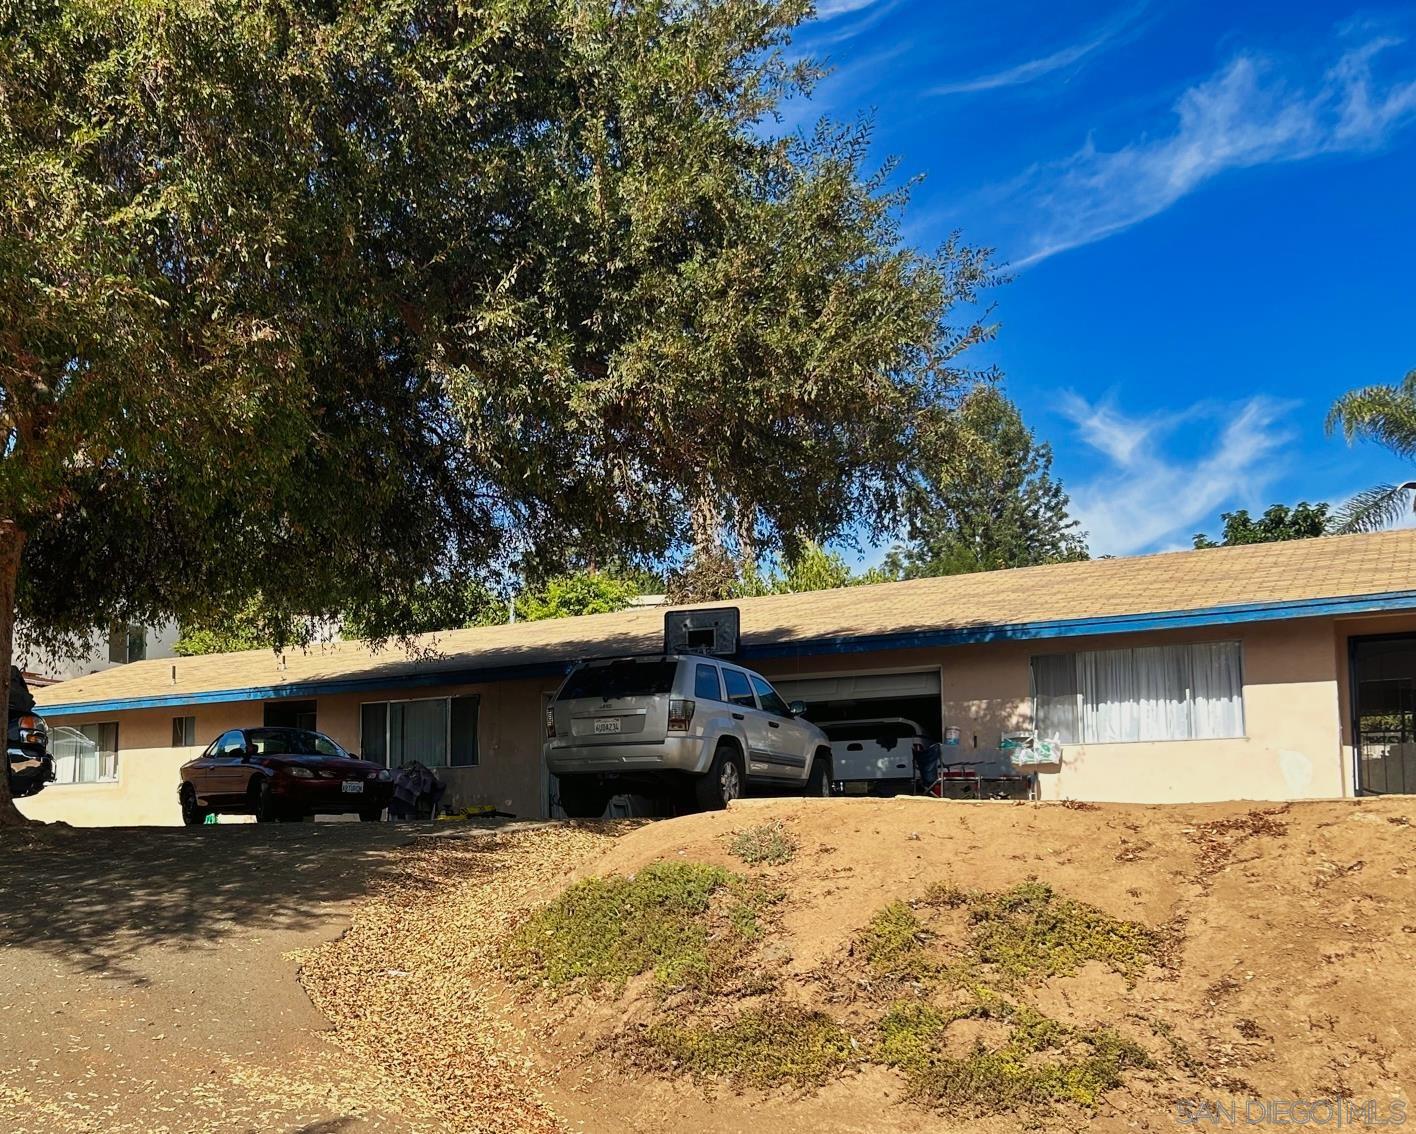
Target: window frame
(183, 722)
(98, 780)
(447, 700)
(1242, 734)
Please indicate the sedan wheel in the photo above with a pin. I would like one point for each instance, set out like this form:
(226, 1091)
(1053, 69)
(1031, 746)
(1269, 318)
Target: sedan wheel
(264, 803)
(192, 815)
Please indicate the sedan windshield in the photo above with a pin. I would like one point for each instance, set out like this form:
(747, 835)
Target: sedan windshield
(292, 742)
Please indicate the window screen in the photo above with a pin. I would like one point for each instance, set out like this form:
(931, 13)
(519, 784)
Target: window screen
(464, 731)
(184, 732)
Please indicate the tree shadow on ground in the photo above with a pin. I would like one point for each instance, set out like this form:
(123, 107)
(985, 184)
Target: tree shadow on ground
(95, 897)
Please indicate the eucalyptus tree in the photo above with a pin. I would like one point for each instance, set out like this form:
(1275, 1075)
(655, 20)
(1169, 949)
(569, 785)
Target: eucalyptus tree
(323, 303)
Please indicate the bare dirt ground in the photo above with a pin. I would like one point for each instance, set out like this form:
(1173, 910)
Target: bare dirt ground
(150, 983)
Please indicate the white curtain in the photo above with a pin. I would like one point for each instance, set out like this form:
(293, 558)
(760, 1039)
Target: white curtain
(1148, 693)
(1218, 685)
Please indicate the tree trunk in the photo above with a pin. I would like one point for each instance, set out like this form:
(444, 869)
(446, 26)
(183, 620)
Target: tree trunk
(12, 542)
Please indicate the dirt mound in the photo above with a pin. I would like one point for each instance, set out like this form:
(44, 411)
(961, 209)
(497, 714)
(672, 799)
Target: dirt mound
(906, 965)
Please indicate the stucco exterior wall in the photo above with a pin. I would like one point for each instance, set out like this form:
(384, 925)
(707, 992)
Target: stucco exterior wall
(145, 793)
(1296, 742)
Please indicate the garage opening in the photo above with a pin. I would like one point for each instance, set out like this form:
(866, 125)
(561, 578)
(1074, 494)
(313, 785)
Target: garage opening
(874, 696)
(875, 722)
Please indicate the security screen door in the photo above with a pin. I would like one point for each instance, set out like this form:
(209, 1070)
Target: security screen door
(1384, 725)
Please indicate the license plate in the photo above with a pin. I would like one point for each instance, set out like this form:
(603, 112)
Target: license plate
(607, 724)
(353, 787)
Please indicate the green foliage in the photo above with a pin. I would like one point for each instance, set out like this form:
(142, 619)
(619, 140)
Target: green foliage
(1385, 415)
(321, 302)
(895, 944)
(685, 922)
(244, 630)
(591, 592)
(987, 499)
(813, 568)
(761, 1047)
(764, 844)
(1041, 1062)
(1031, 933)
(1279, 522)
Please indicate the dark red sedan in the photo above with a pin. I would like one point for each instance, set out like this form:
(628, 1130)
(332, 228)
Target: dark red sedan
(284, 774)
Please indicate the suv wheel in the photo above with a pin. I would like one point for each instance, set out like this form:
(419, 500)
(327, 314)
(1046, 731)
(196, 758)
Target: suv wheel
(818, 783)
(724, 781)
(583, 797)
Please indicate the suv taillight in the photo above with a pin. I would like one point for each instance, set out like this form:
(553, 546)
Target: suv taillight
(680, 714)
(550, 723)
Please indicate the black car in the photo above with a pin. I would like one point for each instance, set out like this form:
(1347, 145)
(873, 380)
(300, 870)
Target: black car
(29, 763)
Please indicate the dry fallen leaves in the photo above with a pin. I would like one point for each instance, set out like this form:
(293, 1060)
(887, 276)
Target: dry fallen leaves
(403, 988)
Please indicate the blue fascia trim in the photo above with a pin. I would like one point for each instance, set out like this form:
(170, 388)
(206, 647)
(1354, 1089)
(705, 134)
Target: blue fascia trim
(1092, 627)
(806, 647)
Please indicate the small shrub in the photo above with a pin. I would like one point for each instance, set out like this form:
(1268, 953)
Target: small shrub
(685, 922)
(1031, 933)
(895, 944)
(765, 844)
(1009, 1077)
(762, 1047)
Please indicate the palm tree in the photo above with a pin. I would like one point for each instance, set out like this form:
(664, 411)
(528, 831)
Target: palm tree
(1386, 415)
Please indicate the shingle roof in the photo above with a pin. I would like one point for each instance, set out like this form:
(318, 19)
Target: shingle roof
(1187, 587)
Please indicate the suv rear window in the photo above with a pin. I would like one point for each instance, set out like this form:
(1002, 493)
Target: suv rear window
(620, 679)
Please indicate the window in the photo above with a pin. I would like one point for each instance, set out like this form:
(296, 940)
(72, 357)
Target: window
(620, 679)
(126, 643)
(440, 732)
(290, 714)
(1188, 692)
(232, 743)
(739, 691)
(184, 732)
(767, 697)
(292, 742)
(707, 685)
(85, 755)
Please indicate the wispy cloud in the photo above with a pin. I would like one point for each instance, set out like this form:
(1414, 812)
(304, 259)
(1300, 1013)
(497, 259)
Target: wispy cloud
(1249, 113)
(1144, 497)
(1059, 60)
(830, 9)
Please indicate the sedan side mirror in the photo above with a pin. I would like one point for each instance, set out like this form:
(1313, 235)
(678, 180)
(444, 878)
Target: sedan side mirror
(798, 708)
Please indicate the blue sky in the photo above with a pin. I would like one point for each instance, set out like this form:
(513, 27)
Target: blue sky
(1210, 212)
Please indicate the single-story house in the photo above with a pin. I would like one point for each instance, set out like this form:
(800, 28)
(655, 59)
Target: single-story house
(1275, 671)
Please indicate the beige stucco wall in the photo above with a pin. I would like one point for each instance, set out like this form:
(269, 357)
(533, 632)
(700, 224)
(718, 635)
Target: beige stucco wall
(145, 793)
(1292, 750)
(1296, 743)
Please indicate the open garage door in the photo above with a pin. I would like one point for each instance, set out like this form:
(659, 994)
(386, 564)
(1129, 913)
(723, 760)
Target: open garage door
(870, 696)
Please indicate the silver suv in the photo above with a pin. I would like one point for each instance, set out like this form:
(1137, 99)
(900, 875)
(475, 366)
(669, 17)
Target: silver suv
(647, 724)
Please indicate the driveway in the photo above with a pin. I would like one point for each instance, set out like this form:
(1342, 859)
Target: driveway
(147, 982)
